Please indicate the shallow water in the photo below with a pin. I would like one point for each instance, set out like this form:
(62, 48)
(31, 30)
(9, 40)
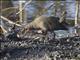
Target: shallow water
(64, 33)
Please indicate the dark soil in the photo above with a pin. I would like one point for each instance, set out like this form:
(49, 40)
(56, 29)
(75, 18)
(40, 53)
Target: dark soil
(39, 47)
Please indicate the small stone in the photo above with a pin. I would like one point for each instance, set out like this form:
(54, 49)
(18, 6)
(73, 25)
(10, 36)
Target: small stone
(37, 37)
(5, 58)
(68, 40)
(39, 31)
(78, 55)
(72, 59)
(66, 59)
(18, 35)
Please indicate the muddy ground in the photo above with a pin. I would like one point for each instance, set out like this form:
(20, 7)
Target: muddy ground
(39, 47)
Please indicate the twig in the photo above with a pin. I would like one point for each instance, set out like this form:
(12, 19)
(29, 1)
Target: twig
(20, 8)
(62, 16)
(3, 10)
(4, 31)
(76, 15)
(4, 18)
(24, 6)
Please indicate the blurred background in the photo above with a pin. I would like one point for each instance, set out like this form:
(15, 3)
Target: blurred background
(35, 8)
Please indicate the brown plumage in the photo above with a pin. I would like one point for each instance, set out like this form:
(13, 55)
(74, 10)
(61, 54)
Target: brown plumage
(45, 23)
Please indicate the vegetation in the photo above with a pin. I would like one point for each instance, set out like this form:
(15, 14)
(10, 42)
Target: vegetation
(35, 45)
